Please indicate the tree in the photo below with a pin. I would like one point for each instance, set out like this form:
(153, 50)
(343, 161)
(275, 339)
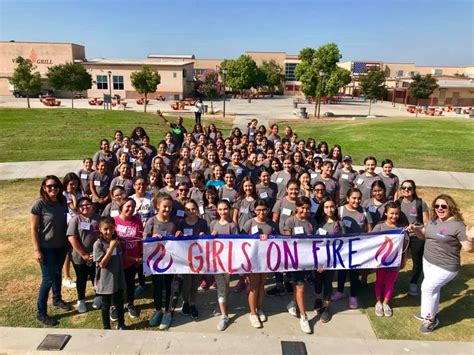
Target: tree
(69, 77)
(145, 81)
(209, 86)
(24, 78)
(372, 84)
(242, 73)
(422, 87)
(338, 78)
(316, 69)
(273, 75)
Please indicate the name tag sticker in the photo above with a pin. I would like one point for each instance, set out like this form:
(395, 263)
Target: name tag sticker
(125, 150)
(314, 207)
(254, 230)
(180, 213)
(345, 176)
(314, 176)
(84, 176)
(201, 209)
(188, 231)
(372, 209)
(360, 181)
(322, 231)
(298, 230)
(138, 168)
(279, 180)
(347, 223)
(85, 226)
(263, 194)
(244, 210)
(114, 213)
(286, 212)
(96, 183)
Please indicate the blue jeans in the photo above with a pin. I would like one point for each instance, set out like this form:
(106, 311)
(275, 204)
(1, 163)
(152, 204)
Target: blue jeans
(51, 268)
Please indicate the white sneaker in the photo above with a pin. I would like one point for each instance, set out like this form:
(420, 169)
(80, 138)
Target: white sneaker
(413, 290)
(304, 324)
(291, 307)
(81, 306)
(387, 311)
(223, 322)
(97, 302)
(69, 283)
(379, 309)
(262, 316)
(255, 321)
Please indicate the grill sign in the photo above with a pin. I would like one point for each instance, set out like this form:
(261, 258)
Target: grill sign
(35, 60)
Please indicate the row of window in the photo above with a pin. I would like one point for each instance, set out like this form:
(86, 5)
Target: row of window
(103, 84)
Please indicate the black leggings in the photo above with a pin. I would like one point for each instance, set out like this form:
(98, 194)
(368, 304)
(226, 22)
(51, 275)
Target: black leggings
(141, 277)
(160, 281)
(354, 280)
(82, 273)
(117, 299)
(417, 247)
(130, 281)
(323, 282)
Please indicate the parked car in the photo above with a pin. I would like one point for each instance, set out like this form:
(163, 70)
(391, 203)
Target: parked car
(21, 93)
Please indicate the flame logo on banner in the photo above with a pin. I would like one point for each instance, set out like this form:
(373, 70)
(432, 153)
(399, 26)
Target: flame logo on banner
(160, 248)
(387, 244)
(33, 56)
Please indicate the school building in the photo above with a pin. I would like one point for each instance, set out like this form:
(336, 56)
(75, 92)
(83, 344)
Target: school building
(179, 72)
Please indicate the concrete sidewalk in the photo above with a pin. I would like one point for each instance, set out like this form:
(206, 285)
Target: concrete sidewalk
(39, 169)
(88, 341)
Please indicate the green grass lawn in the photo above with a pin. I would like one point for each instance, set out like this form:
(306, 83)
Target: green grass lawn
(62, 134)
(20, 278)
(433, 144)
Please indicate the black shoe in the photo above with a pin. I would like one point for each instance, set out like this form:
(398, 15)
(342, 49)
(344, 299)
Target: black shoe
(288, 287)
(121, 327)
(325, 315)
(113, 314)
(46, 320)
(185, 309)
(275, 291)
(132, 311)
(62, 305)
(318, 304)
(194, 312)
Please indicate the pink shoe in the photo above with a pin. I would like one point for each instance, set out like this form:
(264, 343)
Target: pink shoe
(353, 303)
(203, 285)
(240, 286)
(337, 296)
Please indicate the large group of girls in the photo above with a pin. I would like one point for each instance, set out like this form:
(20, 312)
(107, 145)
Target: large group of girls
(254, 182)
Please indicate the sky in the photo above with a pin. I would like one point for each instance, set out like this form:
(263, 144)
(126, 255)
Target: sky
(425, 32)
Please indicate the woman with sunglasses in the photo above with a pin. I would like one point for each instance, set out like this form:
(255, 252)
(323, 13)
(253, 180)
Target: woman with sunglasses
(48, 233)
(82, 232)
(413, 210)
(445, 235)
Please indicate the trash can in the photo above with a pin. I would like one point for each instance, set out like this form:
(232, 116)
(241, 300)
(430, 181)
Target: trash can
(303, 113)
(458, 110)
(362, 98)
(471, 113)
(295, 104)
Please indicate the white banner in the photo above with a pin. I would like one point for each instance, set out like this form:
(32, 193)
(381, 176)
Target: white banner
(242, 254)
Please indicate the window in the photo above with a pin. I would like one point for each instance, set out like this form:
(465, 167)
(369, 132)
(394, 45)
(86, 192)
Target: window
(399, 73)
(437, 72)
(290, 71)
(174, 75)
(198, 72)
(118, 82)
(102, 82)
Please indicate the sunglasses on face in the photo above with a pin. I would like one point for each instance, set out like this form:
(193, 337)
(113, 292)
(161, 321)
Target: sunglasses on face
(441, 207)
(52, 186)
(407, 188)
(85, 205)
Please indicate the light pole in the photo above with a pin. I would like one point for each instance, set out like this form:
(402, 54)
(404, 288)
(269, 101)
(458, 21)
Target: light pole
(223, 72)
(395, 90)
(110, 88)
(321, 75)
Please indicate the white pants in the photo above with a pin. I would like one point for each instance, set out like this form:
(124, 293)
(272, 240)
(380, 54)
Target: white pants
(435, 278)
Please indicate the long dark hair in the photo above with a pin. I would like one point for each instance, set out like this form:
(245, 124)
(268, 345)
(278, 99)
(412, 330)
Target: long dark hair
(44, 196)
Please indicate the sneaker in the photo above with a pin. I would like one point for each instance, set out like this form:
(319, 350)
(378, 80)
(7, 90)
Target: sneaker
(166, 321)
(429, 325)
(275, 291)
(353, 303)
(216, 312)
(304, 324)
(240, 286)
(419, 317)
(379, 309)
(185, 309)
(254, 321)
(132, 311)
(203, 285)
(62, 305)
(68, 282)
(155, 318)
(325, 315)
(97, 302)
(223, 322)
(387, 311)
(337, 296)
(291, 307)
(318, 304)
(194, 312)
(213, 286)
(46, 320)
(139, 290)
(81, 306)
(262, 316)
(113, 314)
(288, 288)
(413, 290)
(121, 327)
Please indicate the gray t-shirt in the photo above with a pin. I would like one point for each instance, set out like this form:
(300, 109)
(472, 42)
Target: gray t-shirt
(391, 185)
(281, 178)
(442, 246)
(52, 225)
(141, 169)
(210, 214)
(127, 184)
(346, 181)
(110, 161)
(254, 227)
(111, 210)
(268, 193)
(101, 183)
(409, 214)
(326, 227)
(364, 184)
(228, 228)
(245, 211)
(296, 226)
(110, 279)
(196, 195)
(375, 211)
(154, 226)
(193, 229)
(332, 186)
(228, 194)
(284, 209)
(84, 176)
(86, 230)
(354, 221)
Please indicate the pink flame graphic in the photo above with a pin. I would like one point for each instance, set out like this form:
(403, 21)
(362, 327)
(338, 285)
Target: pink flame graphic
(387, 244)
